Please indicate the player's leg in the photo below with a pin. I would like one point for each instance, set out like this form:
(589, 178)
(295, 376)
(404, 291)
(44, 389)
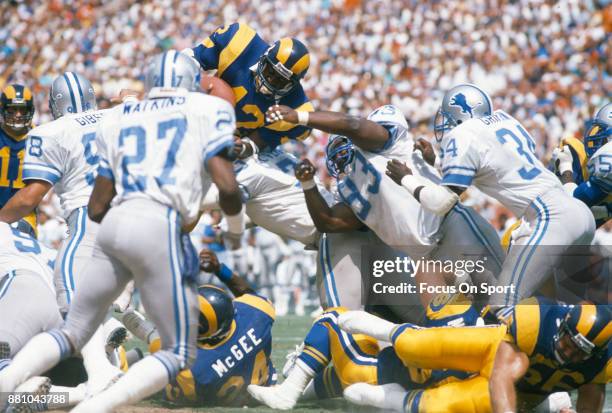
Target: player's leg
(467, 349)
(339, 270)
(106, 279)
(466, 396)
(151, 250)
(21, 320)
(353, 357)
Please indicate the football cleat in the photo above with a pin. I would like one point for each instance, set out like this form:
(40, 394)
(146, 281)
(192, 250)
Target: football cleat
(36, 386)
(271, 396)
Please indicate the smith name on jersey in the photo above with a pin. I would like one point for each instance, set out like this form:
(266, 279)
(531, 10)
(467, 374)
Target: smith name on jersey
(222, 371)
(234, 51)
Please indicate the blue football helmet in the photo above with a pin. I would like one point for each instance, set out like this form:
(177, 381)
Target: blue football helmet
(172, 69)
(340, 153)
(597, 131)
(589, 327)
(216, 314)
(281, 68)
(461, 103)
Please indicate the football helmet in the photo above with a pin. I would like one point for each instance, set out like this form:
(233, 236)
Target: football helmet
(71, 93)
(281, 67)
(461, 103)
(588, 326)
(17, 109)
(216, 314)
(597, 131)
(340, 153)
(172, 69)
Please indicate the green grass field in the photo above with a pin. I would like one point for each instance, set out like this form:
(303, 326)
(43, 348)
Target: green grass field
(288, 332)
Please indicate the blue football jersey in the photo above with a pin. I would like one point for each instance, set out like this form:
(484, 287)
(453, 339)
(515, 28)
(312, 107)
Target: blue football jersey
(221, 372)
(234, 51)
(533, 324)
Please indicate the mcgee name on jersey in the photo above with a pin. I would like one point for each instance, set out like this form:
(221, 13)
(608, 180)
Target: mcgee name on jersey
(223, 365)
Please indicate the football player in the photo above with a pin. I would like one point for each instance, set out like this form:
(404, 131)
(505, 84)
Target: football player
(357, 358)
(16, 113)
(234, 342)
(492, 151)
(261, 75)
(62, 154)
(542, 348)
(357, 157)
(274, 201)
(593, 187)
(158, 157)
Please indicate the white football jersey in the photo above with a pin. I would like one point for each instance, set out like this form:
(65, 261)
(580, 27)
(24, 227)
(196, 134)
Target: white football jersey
(63, 152)
(273, 196)
(385, 207)
(496, 155)
(600, 167)
(158, 148)
(19, 251)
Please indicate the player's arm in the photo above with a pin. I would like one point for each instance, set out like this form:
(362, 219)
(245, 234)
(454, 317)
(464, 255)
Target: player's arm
(210, 263)
(509, 366)
(591, 398)
(364, 133)
(438, 199)
(101, 197)
(338, 218)
(24, 201)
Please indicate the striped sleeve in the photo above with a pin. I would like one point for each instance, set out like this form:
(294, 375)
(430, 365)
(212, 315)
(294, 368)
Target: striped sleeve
(44, 160)
(460, 161)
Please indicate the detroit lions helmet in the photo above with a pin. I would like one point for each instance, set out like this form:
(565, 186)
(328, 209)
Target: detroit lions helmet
(597, 131)
(172, 69)
(71, 93)
(216, 314)
(461, 103)
(340, 154)
(281, 67)
(589, 328)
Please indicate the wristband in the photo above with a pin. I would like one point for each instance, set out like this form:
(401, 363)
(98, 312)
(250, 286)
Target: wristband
(225, 273)
(302, 117)
(306, 185)
(411, 183)
(235, 223)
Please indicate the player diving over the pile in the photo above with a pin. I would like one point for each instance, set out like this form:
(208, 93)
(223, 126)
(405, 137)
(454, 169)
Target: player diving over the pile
(357, 156)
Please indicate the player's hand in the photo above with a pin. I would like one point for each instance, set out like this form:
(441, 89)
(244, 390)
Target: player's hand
(209, 261)
(563, 159)
(426, 149)
(124, 94)
(396, 170)
(241, 149)
(305, 170)
(278, 113)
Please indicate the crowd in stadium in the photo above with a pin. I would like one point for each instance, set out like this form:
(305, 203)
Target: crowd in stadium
(544, 61)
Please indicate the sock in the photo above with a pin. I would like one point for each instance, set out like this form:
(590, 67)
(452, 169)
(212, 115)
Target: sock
(40, 354)
(360, 322)
(145, 378)
(294, 385)
(94, 357)
(75, 395)
(309, 392)
(386, 396)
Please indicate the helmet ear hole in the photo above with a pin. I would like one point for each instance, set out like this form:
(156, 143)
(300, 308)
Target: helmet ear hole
(459, 121)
